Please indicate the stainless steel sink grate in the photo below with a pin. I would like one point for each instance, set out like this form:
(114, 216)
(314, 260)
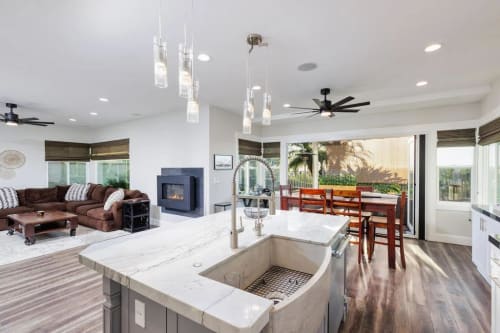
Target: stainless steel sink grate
(278, 280)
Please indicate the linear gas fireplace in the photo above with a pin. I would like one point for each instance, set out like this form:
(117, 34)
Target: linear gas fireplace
(180, 191)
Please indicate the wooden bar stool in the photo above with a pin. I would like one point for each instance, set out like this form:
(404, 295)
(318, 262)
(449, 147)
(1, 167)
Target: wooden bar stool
(312, 200)
(380, 222)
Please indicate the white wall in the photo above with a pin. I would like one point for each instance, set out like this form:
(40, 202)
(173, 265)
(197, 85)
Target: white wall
(30, 140)
(163, 141)
(224, 131)
(490, 107)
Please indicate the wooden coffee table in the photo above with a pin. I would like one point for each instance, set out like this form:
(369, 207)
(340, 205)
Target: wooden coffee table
(30, 224)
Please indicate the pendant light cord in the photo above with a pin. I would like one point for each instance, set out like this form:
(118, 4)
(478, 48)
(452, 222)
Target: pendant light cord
(159, 19)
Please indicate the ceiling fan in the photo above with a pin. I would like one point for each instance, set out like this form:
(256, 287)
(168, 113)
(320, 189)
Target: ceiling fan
(12, 119)
(328, 109)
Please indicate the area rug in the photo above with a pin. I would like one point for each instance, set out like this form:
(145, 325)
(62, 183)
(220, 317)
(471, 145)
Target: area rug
(13, 249)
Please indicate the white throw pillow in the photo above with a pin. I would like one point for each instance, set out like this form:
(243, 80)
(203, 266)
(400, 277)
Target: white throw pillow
(8, 198)
(116, 196)
(77, 192)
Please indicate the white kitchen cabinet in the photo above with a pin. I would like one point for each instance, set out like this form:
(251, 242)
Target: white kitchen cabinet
(482, 226)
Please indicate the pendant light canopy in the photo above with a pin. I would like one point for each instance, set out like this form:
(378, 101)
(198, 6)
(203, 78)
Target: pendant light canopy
(160, 55)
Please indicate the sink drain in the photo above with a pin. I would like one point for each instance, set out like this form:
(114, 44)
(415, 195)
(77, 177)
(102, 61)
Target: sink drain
(276, 297)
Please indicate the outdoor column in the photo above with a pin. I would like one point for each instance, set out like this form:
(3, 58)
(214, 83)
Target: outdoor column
(315, 164)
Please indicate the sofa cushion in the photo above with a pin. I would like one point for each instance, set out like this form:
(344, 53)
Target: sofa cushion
(100, 214)
(49, 206)
(77, 192)
(61, 192)
(8, 198)
(17, 210)
(82, 210)
(21, 195)
(109, 191)
(71, 206)
(98, 193)
(39, 195)
(116, 196)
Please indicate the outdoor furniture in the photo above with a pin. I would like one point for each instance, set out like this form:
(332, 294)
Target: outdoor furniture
(222, 205)
(348, 203)
(31, 224)
(363, 188)
(381, 222)
(312, 200)
(381, 205)
(287, 191)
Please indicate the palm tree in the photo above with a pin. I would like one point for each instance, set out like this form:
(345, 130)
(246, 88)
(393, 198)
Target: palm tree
(342, 154)
(300, 155)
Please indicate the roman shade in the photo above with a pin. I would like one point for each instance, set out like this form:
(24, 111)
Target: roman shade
(489, 133)
(247, 147)
(271, 149)
(67, 151)
(457, 138)
(110, 150)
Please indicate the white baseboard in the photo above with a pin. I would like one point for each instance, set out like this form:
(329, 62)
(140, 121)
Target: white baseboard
(452, 239)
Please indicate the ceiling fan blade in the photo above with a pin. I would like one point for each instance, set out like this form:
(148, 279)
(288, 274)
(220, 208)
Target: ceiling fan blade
(28, 119)
(37, 122)
(299, 108)
(34, 124)
(343, 101)
(313, 115)
(304, 112)
(317, 101)
(346, 110)
(348, 106)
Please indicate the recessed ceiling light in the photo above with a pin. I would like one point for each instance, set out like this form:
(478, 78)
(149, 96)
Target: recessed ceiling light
(421, 83)
(103, 99)
(433, 47)
(72, 119)
(203, 57)
(256, 87)
(307, 66)
(286, 105)
(93, 113)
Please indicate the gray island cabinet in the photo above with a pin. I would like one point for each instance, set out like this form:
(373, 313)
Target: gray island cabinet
(187, 279)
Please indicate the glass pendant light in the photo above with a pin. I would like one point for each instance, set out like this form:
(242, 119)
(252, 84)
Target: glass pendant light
(193, 107)
(160, 57)
(247, 121)
(266, 112)
(250, 103)
(185, 70)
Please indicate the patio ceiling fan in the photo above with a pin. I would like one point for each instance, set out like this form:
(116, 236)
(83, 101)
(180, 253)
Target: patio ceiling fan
(328, 109)
(12, 119)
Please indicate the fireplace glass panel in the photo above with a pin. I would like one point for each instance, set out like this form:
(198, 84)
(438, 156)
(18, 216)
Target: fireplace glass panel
(173, 192)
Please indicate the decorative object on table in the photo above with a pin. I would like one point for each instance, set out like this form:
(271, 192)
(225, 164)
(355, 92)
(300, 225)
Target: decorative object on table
(223, 162)
(12, 159)
(40, 213)
(12, 119)
(327, 109)
(254, 40)
(135, 215)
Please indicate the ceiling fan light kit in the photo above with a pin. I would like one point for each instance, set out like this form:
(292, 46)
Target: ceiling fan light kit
(12, 119)
(328, 109)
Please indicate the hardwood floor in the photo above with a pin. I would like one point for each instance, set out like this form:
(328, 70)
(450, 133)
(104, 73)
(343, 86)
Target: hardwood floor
(440, 291)
(50, 294)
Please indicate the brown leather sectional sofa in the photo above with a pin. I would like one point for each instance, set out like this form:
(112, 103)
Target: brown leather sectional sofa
(90, 212)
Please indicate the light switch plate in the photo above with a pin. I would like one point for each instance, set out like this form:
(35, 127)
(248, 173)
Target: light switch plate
(140, 314)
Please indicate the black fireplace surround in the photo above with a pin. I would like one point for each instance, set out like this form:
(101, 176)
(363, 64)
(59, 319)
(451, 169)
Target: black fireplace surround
(180, 191)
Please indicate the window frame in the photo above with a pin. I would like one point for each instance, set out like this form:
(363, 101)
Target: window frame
(95, 169)
(68, 176)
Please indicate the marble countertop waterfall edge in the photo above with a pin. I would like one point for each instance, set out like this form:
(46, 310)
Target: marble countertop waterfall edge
(163, 264)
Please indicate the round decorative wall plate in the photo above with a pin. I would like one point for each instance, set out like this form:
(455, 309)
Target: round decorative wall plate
(12, 159)
(7, 173)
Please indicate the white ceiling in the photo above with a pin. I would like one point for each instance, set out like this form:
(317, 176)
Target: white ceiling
(57, 57)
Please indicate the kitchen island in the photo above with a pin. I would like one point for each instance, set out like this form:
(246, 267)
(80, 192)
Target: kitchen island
(159, 280)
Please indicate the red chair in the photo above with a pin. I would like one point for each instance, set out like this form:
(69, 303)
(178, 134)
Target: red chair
(312, 200)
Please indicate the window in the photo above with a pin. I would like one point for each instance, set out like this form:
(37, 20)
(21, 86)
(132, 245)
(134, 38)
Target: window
(454, 172)
(115, 173)
(66, 173)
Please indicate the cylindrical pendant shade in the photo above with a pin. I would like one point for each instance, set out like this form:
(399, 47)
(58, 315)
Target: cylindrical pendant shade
(266, 112)
(193, 107)
(160, 62)
(185, 70)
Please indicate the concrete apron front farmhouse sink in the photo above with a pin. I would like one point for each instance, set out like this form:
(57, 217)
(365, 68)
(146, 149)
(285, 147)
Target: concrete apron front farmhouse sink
(293, 274)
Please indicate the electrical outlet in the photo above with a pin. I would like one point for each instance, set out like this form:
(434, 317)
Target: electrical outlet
(140, 314)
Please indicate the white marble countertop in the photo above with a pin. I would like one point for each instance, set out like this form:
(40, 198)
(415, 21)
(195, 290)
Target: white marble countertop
(159, 264)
